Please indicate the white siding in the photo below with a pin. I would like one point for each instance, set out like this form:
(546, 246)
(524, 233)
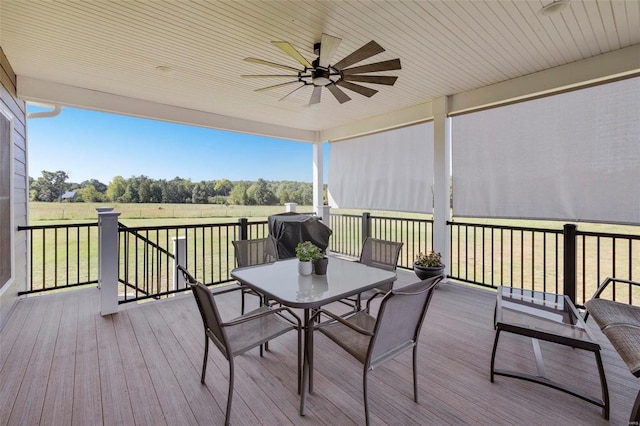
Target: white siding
(17, 109)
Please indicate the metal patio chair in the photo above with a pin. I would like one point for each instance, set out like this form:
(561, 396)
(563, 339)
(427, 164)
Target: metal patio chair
(241, 334)
(254, 252)
(380, 254)
(372, 341)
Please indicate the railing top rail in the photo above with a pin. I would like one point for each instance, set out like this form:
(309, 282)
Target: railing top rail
(404, 219)
(509, 227)
(346, 215)
(123, 228)
(608, 235)
(188, 226)
(57, 226)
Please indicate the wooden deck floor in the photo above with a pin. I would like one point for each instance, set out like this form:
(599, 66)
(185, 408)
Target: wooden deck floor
(61, 363)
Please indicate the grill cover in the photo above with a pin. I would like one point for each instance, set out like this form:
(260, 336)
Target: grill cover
(289, 229)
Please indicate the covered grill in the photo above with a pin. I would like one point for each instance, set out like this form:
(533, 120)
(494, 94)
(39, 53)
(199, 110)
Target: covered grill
(289, 229)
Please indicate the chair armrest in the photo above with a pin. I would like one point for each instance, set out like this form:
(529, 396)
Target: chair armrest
(341, 320)
(376, 294)
(191, 280)
(609, 280)
(252, 317)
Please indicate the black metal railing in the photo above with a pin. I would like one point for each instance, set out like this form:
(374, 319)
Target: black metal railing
(601, 255)
(61, 256)
(350, 231)
(565, 261)
(495, 255)
(148, 256)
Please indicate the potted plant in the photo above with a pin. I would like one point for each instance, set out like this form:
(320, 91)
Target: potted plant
(428, 265)
(307, 252)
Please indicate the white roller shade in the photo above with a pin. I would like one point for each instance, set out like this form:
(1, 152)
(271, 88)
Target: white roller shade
(386, 171)
(573, 156)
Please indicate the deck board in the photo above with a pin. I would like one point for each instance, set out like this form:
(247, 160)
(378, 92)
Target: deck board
(63, 363)
(87, 398)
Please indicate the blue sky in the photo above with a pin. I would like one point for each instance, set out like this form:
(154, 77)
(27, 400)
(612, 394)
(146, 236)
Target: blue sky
(95, 145)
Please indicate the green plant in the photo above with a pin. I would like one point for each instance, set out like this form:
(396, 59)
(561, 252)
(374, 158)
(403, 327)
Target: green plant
(430, 260)
(307, 251)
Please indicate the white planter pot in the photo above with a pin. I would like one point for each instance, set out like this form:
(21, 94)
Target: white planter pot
(305, 268)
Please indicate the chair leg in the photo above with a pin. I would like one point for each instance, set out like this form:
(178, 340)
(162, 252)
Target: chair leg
(265, 301)
(358, 303)
(635, 412)
(415, 375)
(242, 302)
(206, 357)
(365, 396)
(230, 395)
(300, 361)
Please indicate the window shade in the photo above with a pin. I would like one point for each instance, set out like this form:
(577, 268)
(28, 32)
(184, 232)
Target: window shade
(392, 170)
(573, 156)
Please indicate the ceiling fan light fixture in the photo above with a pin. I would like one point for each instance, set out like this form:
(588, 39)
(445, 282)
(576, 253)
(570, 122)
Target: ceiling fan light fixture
(321, 81)
(554, 7)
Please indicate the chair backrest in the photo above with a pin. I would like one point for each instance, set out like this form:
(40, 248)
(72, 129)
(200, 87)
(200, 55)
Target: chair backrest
(380, 253)
(211, 318)
(399, 320)
(255, 252)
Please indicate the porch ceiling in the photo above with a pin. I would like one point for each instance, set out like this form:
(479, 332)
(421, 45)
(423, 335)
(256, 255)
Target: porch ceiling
(104, 55)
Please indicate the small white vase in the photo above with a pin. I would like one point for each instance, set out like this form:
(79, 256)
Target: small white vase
(305, 268)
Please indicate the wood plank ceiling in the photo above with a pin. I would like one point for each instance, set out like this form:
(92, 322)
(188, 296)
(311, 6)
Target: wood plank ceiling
(446, 48)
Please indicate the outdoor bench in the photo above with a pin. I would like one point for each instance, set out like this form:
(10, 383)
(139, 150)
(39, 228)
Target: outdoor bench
(620, 322)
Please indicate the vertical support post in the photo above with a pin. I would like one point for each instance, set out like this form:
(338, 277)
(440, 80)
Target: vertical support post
(108, 262)
(290, 207)
(318, 179)
(569, 260)
(179, 258)
(366, 226)
(326, 215)
(100, 210)
(442, 178)
(244, 228)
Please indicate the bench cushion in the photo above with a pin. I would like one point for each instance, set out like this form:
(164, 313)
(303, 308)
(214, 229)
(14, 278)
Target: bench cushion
(607, 312)
(625, 339)
(620, 322)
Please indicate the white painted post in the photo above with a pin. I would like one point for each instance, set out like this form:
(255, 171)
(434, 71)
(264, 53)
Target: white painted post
(100, 210)
(326, 213)
(441, 176)
(290, 207)
(180, 257)
(318, 179)
(108, 262)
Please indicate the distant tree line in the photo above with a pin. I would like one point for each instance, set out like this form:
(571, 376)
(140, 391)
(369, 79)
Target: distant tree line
(141, 189)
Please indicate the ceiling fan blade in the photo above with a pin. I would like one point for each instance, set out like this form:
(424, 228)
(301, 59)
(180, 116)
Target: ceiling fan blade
(393, 64)
(292, 92)
(291, 51)
(315, 96)
(271, 64)
(357, 88)
(377, 79)
(368, 50)
(269, 75)
(339, 94)
(328, 46)
(263, 89)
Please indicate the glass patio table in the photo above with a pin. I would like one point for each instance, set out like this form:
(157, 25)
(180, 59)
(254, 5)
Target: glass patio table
(281, 282)
(550, 317)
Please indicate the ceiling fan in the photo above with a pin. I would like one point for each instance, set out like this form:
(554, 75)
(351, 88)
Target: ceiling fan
(322, 73)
